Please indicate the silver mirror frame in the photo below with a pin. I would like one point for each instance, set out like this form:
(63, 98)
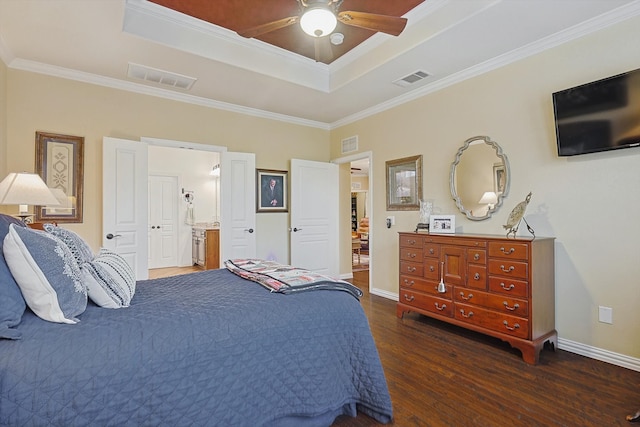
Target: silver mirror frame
(487, 140)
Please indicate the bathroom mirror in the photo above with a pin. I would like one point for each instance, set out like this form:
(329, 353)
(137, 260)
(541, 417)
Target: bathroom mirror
(479, 178)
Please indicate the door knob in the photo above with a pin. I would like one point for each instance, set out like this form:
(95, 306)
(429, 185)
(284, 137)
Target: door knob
(296, 229)
(250, 230)
(111, 236)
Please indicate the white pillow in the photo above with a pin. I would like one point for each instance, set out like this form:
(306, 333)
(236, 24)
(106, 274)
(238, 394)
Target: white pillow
(79, 248)
(47, 274)
(110, 281)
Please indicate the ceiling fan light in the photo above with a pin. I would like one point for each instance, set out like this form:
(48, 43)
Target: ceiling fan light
(318, 22)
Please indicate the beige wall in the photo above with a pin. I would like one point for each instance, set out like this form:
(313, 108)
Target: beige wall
(37, 102)
(589, 203)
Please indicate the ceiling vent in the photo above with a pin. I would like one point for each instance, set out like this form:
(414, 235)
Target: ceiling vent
(411, 78)
(161, 77)
(349, 145)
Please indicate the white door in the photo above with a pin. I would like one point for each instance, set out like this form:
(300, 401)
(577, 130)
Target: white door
(237, 205)
(124, 201)
(314, 216)
(163, 221)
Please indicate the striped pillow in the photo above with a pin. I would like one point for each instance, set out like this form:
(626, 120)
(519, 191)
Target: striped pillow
(110, 281)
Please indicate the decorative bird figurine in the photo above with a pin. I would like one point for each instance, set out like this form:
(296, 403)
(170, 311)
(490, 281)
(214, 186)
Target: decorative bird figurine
(517, 215)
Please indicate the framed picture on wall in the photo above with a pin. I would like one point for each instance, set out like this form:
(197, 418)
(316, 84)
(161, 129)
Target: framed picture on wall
(60, 163)
(404, 184)
(272, 191)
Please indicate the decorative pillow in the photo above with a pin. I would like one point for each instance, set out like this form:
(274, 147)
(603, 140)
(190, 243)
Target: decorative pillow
(47, 273)
(79, 248)
(11, 301)
(110, 280)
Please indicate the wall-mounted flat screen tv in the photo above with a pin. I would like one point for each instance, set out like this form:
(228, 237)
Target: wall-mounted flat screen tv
(598, 116)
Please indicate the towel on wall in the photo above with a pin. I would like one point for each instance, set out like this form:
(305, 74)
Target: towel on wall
(190, 218)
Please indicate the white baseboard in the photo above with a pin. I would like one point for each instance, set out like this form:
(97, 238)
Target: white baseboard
(599, 354)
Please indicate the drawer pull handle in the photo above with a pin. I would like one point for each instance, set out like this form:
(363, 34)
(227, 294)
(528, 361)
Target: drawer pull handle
(511, 328)
(411, 283)
(476, 276)
(409, 298)
(476, 257)
(411, 269)
(507, 252)
(440, 307)
(431, 251)
(466, 315)
(507, 270)
(412, 255)
(515, 307)
(511, 286)
(412, 242)
(431, 268)
(465, 298)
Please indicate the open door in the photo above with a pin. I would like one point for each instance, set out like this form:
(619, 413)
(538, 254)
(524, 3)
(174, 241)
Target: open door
(124, 201)
(237, 205)
(314, 216)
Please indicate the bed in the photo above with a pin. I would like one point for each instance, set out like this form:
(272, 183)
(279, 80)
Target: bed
(207, 348)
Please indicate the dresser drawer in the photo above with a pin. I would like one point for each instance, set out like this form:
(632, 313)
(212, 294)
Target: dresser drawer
(421, 285)
(477, 276)
(501, 303)
(431, 250)
(411, 254)
(512, 287)
(432, 268)
(410, 241)
(511, 250)
(426, 302)
(411, 268)
(489, 319)
(477, 256)
(508, 268)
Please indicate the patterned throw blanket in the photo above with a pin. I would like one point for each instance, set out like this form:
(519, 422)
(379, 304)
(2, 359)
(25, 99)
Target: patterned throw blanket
(286, 279)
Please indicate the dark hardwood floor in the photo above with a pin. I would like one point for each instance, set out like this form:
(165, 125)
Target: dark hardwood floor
(442, 375)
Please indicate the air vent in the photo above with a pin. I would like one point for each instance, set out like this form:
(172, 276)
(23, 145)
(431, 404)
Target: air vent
(411, 78)
(161, 77)
(349, 145)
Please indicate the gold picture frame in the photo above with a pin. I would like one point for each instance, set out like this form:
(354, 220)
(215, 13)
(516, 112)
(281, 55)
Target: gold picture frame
(404, 183)
(60, 163)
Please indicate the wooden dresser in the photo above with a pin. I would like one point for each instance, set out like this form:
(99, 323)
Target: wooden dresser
(205, 247)
(493, 285)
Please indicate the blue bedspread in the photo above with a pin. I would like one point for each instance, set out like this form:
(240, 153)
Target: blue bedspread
(201, 349)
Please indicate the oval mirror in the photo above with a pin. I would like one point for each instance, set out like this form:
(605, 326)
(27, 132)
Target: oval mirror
(479, 178)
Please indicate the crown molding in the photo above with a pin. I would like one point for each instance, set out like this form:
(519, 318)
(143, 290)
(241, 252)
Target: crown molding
(591, 26)
(65, 73)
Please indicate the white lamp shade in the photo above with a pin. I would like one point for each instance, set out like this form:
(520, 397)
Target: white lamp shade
(318, 22)
(25, 189)
(488, 198)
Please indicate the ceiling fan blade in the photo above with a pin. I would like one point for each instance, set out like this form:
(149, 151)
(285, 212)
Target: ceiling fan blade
(323, 50)
(393, 25)
(268, 27)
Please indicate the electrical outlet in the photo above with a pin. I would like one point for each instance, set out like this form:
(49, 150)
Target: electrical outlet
(392, 220)
(605, 314)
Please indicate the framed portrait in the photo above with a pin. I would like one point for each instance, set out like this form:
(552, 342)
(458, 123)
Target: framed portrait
(272, 191)
(442, 224)
(404, 183)
(60, 163)
(499, 178)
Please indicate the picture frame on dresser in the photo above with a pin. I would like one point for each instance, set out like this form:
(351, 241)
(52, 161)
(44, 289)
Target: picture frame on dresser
(442, 224)
(60, 164)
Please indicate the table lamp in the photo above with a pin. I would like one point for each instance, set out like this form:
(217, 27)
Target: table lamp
(25, 189)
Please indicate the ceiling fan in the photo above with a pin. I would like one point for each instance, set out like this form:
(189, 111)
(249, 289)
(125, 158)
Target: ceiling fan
(318, 18)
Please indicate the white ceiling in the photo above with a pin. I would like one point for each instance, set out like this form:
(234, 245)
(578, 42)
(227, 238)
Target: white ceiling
(451, 40)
